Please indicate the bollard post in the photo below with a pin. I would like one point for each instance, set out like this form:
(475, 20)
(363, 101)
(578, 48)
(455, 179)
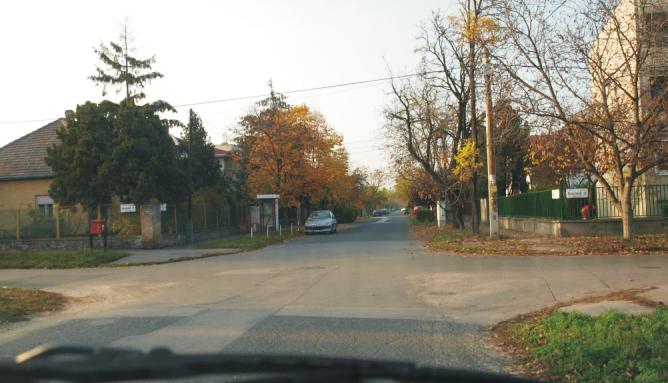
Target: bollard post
(267, 231)
(251, 232)
(56, 214)
(18, 224)
(291, 230)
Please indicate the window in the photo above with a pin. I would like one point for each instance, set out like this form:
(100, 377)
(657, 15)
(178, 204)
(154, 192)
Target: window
(44, 203)
(657, 28)
(658, 89)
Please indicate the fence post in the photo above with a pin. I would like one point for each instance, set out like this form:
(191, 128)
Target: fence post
(204, 209)
(56, 213)
(18, 224)
(176, 226)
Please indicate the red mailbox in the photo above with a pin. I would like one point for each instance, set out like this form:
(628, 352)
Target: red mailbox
(96, 226)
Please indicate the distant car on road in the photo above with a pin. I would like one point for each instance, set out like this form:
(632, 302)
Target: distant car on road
(379, 212)
(320, 221)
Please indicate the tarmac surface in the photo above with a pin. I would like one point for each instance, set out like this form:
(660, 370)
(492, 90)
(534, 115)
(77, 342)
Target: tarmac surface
(371, 291)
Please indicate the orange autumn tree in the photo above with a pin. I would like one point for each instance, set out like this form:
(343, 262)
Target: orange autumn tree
(291, 151)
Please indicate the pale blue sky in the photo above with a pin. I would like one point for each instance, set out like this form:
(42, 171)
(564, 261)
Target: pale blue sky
(215, 50)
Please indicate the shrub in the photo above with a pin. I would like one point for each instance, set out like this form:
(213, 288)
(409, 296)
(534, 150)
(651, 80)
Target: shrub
(345, 214)
(424, 215)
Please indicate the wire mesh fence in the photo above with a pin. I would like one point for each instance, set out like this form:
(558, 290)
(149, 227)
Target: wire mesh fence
(205, 217)
(55, 222)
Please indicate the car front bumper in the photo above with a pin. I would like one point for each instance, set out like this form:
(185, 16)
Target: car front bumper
(317, 229)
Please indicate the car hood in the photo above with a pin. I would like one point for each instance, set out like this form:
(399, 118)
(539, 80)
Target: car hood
(318, 221)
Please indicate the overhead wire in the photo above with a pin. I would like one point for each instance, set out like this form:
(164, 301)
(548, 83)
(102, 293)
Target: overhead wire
(293, 91)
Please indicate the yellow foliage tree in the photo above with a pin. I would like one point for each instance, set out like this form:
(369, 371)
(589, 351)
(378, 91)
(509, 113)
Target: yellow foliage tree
(467, 162)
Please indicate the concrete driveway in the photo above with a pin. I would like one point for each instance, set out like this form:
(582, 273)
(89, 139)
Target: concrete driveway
(371, 291)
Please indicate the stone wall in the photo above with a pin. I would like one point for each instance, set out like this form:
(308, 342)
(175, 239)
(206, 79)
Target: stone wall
(75, 243)
(575, 228)
(126, 242)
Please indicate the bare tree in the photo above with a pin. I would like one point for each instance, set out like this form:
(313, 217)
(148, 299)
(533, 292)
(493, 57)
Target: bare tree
(597, 68)
(425, 127)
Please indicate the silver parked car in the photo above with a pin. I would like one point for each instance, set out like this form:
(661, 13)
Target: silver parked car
(320, 221)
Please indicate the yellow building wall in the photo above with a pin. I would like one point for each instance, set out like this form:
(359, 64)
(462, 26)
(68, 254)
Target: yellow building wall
(21, 193)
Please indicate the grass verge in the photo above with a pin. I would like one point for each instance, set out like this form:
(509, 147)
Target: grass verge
(244, 241)
(462, 241)
(571, 347)
(57, 259)
(18, 304)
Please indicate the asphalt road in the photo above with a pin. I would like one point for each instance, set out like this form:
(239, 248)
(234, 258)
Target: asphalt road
(370, 291)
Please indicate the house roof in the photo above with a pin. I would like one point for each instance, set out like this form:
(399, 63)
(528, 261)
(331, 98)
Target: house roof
(223, 150)
(24, 158)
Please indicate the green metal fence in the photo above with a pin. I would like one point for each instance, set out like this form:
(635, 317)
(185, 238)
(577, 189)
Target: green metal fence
(532, 204)
(648, 201)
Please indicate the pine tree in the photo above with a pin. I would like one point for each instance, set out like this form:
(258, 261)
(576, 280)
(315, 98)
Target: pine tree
(205, 169)
(142, 165)
(122, 69)
(197, 158)
(82, 149)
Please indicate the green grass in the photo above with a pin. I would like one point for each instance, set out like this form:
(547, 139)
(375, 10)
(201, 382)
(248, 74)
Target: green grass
(244, 241)
(610, 348)
(57, 259)
(17, 304)
(449, 235)
(416, 222)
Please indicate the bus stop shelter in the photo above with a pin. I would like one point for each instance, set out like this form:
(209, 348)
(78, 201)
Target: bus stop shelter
(268, 210)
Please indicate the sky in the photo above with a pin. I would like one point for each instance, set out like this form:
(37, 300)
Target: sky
(212, 50)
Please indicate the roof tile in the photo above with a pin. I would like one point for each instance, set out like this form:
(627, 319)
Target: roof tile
(24, 158)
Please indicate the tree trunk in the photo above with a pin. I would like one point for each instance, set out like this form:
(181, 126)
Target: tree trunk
(627, 211)
(459, 217)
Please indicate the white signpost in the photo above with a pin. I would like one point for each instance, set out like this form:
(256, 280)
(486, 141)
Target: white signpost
(440, 213)
(555, 193)
(128, 208)
(577, 193)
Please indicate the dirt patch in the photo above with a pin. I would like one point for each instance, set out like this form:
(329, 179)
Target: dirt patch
(503, 337)
(99, 297)
(456, 241)
(18, 304)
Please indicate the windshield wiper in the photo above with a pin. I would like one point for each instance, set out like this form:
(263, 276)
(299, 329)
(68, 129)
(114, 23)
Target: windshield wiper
(87, 364)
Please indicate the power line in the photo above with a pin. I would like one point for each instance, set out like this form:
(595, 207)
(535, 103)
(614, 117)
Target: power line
(307, 89)
(223, 100)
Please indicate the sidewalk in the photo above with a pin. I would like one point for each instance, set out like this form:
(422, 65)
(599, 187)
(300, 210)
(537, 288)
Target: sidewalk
(168, 254)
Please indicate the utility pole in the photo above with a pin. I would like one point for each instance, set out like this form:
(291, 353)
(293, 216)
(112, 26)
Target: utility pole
(472, 18)
(189, 222)
(491, 174)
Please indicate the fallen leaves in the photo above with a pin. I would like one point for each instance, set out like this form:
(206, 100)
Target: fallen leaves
(460, 241)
